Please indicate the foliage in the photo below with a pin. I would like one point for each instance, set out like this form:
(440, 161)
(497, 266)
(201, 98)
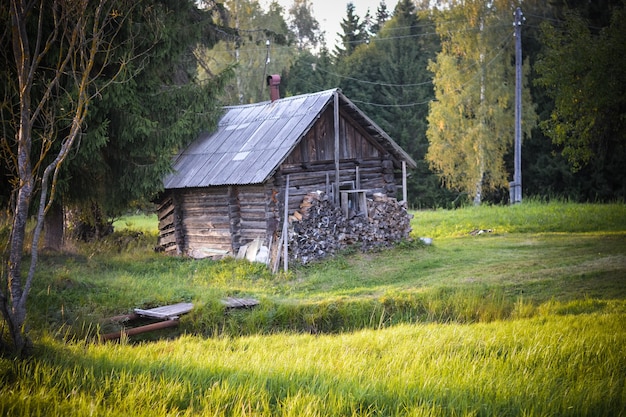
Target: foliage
(388, 79)
(256, 45)
(58, 58)
(382, 16)
(470, 123)
(353, 33)
(101, 134)
(304, 25)
(137, 126)
(583, 72)
(309, 74)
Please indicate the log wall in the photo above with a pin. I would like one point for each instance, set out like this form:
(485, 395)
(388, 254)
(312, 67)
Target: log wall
(259, 213)
(218, 219)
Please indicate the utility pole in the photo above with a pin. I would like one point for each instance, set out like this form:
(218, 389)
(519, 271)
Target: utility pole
(516, 186)
(267, 62)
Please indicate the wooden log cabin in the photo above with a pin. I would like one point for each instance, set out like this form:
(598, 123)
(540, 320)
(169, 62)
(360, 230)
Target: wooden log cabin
(229, 187)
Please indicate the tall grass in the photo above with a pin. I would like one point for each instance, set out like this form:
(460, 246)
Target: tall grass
(524, 320)
(549, 365)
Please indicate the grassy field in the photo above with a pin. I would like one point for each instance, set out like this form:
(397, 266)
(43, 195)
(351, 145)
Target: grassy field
(527, 319)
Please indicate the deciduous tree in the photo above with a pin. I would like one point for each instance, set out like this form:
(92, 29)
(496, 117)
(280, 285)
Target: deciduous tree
(55, 53)
(471, 121)
(256, 45)
(304, 25)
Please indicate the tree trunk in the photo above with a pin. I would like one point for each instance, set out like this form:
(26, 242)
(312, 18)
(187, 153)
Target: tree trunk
(13, 309)
(54, 228)
(478, 193)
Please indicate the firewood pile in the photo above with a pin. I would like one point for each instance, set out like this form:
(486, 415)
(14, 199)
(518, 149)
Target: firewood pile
(320, 229)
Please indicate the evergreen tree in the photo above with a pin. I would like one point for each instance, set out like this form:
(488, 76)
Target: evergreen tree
(471, 122)
(582, 69)
(354, 33)
(309, 73)
(382, 15)
(390, 81)
(138, 126)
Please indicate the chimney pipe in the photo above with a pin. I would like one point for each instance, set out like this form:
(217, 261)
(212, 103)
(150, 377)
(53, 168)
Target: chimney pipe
(274, 82)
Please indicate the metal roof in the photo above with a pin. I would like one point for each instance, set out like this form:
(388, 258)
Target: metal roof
(251, 141)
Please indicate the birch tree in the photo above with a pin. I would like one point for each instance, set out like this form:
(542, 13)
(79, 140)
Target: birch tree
(471, 121)
(59, 56)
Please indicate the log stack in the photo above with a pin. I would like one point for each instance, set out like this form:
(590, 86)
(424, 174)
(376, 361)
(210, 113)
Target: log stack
(320, 228)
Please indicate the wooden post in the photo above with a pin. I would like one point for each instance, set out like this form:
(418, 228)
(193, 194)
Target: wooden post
(278, 252)
(286, 227)
(404, 192)
(327, 184)
(336, 120)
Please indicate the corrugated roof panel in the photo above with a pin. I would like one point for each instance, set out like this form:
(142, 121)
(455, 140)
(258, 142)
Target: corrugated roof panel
(251, 141)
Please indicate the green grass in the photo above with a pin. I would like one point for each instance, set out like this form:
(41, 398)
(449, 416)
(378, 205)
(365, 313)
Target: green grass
(525, 320)
(529, 217)
(569, 365)
(140, 222)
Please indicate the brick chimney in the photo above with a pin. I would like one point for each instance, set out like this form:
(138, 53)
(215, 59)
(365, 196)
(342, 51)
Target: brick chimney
(274, 82)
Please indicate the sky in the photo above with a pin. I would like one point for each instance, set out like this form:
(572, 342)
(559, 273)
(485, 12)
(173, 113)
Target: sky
(330, 13)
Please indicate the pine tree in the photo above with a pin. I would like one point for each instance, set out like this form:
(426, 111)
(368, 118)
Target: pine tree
(135, 129)
(408, 45)
(354, 33)
(309, 73)
(382, 15)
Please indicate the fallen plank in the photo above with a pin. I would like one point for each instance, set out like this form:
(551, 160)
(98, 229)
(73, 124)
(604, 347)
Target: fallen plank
(166, 312)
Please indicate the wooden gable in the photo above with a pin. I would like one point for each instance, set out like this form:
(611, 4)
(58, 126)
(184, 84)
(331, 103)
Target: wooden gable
(319, 143)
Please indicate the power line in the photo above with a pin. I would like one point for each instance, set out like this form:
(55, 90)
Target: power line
(501, 49)
(560, 21)
(377, 38)
(393, 105)
(383, 84)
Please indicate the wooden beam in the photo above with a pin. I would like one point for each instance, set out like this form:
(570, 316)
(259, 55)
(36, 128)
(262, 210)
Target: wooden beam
(336, 126)
(232, 302)
(141, 329)
(404, 191)
(286, 227)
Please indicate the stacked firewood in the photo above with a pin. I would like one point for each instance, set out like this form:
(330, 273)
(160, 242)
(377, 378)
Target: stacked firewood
(320, 228)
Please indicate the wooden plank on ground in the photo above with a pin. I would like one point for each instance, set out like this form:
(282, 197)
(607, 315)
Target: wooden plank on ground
(166, 312)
